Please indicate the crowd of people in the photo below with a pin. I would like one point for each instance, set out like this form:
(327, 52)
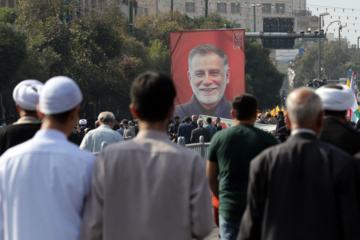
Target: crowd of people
(135, 182)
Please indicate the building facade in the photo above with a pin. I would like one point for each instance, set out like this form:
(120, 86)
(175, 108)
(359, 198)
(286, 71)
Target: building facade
(246, 14)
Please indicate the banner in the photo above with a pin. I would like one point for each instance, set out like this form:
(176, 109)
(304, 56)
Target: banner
(286, 55)
(208, 69)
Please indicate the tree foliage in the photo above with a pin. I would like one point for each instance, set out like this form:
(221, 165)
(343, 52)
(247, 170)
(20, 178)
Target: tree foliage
(262, 78)
(336, 60)
(98, 52)
(12, 53)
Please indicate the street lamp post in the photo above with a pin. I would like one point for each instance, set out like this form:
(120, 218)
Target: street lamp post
(322, 14)
(340, 27)
(255, 5)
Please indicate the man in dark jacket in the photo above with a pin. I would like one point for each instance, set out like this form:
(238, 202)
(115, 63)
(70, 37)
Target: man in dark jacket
(26, 97)
(185, 129)
(200, 131)
(303, 188)
(281, 120)
(337, 99)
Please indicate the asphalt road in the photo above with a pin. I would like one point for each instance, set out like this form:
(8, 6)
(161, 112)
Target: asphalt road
(214, 235)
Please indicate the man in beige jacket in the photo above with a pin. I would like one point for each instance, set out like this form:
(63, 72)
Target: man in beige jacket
(149, 188)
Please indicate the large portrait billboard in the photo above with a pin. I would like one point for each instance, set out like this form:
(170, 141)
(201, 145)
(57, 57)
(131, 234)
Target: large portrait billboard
(208, 68)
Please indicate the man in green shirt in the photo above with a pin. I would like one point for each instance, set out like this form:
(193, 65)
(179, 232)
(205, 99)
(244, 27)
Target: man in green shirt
(230, 153)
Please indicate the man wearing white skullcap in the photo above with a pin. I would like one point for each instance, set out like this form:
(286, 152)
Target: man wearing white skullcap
(26, 97)
(337, 99)
(44, 181)
(81, 128)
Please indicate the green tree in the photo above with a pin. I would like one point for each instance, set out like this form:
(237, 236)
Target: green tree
(262, 78)
(8, 15)
(306, 68)
(12, 53)
(335, 55)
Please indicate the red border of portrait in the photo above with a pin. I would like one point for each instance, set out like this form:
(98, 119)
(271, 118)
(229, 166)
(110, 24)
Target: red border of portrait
(232, 42)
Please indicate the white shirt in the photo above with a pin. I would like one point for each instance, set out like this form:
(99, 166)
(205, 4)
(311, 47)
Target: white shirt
(93, 139)
(148, 188)
(302, 130)
(43, 183)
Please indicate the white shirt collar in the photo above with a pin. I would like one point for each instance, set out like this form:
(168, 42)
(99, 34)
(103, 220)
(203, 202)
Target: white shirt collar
(302, 130)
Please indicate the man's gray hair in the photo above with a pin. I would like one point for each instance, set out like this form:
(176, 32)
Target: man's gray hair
(200, 122)
(303, 109)
(206, 49)
(106, 117)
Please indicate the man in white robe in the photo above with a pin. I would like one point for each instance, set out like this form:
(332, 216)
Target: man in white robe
(43, 181)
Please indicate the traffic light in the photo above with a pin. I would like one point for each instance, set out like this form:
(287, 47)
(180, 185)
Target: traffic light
(271, 25)
(270, 42)
(278, 24)
(278, 42)
(286, 24)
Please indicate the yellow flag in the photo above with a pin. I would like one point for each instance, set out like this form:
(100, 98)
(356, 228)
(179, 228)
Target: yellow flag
(348, 82)
(277, 108)
(273, 113)
(283, 109)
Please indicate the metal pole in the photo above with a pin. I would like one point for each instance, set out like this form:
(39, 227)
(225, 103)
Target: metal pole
(358, 42)
(339, 32)
(254, 19)
(65, 13)
(131, 19)
(206, 8)
(172, 6)
(319, 73)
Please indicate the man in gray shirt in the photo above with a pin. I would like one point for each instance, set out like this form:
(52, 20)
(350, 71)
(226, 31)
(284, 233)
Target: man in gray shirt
(149, 188)
(103, 134)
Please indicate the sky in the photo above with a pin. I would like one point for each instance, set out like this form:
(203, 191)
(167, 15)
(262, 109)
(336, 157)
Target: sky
(347, 11)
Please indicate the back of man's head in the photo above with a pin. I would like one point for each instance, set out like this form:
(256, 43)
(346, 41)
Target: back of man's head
(304, 107)
(337, 99)
(106, 118)
(281, 113)
(244, 107)
(187, 119)
(209, 120)
(59, 97)
(200, 122)
(153, 94)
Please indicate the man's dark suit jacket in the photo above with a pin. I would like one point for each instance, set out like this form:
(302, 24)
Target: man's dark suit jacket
(281, 123)
(184, 130)
(193, 107)
(340, 135)
(12, 135)
(197, 132)
(301, 189)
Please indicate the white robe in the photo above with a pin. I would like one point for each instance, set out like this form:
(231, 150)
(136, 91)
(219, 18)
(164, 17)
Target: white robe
(43, 183)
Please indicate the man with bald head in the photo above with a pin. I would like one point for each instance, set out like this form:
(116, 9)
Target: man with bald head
(104, 133)
(26, 97)
(303, 188)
